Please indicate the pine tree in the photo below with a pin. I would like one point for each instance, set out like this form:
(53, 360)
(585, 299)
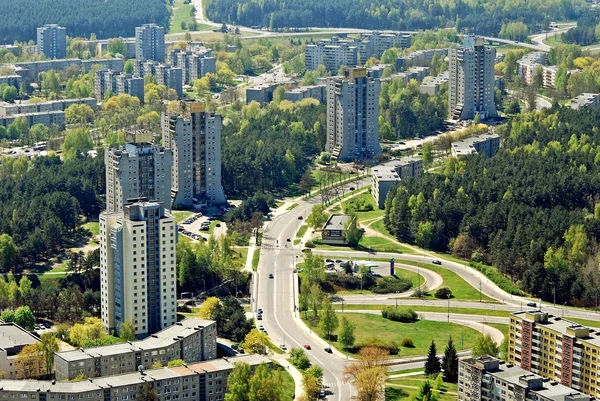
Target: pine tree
(432, 364)
(450, 363)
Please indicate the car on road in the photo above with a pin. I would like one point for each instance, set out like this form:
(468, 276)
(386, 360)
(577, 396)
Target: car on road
(259, 311)
(234, 346)
(532, 304)
(241, 351)
(328, 350)
(259, 317)
(288, 240)
(270, 275)
(307, 346)
(352, 188)
(300, 217)
(306, 250)
(261, 327)
(283, 347)
(338, 261)
(436, 262)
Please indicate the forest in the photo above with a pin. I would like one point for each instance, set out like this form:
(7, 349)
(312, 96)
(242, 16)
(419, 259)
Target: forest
(479, 16)
(105, 19)
(533, 211)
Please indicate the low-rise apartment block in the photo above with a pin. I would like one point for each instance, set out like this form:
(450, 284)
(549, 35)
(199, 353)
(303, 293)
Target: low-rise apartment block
(12, 340)
(416, 73)
(108, 81)
(47, 118)
(375, 43)
(204, 381)
(382, 180)
(30, 70)
(488, 379)
(169, 76)
(195, 62)
(192, 340)
(486, 144)
(433, 86)
(318, 92)
(591, 100)
(332, 53)
(528, 64)
(419, 58)
(9, 109)
(260, 93)
(11, 80)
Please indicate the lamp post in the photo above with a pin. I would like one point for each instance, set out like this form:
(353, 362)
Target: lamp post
(448, 307)
(480, 289)
(397, 292)
(553, 294)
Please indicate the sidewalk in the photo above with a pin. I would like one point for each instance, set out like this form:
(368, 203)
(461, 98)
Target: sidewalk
(296, 374)
(251, 250)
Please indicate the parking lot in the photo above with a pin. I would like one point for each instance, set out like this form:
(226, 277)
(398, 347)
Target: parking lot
(197, 226)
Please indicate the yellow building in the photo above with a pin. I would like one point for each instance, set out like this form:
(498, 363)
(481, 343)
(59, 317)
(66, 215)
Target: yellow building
(561, 350)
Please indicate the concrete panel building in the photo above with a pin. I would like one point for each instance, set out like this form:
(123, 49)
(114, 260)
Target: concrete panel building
(31, 70)
(11, 80)
(194, 136)
(419, 58)
(433, 86)
(137, 268)
(192, 340)
(382, 180)
(169, 76)
(332, 53)
(318, 92)
(555, 348)
(150, 42)
(107, 82)
(203, 381)
(12, 340)
(353, 116)
(260, 93)
(137, 170)
(471, 88)
(528, 65)
(375, 43)
(488, 379)
(485, 144)
(47, 118)
(8, 109)
(591, 100)
(52, 41)
(408, 167)
(195, 62)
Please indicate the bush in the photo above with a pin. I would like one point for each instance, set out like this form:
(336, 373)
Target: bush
(400, 315)
(390, 284)
(443, 292)
(309, 244)
(184, 309)
(389, 346)
(420, 292)
(350, 282)
(407, 342)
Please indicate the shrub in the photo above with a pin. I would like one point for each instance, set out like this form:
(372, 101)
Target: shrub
(350, 282)
(443, 292)
(420, 292)
(389, 346)
(407, 342)
(400, 315)
(390, 284)
(309, 244)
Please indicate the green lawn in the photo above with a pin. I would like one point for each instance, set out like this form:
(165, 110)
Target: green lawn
(181, 215)
(302, 231)
(381, 244)
(292, 206)
(181, 13)
(422, 332)
(404, 388)
(401, 273)
(399, 372)
(366, 200)
(93, 227)
(441, 309)
(287, 382)
(585, 322)
(255, 259)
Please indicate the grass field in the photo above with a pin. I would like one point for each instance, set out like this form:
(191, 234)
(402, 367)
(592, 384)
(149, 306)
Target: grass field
(398, 372)
(292, 206)
(381, 244)
(255, 259)
(182, 13)
(401, 273)
(287, 382)
(93, 227)
(302, 231)
(403, 388)
(441, 309)
(585, 322)
(182, 215)
(422, 332)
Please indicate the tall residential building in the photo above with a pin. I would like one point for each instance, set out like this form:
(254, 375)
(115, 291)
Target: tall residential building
(195, 62)
(108, 82)
(556, 348)
(150, 42)
(471, 88)
(488, 379)
(52, 41)
(375, 43)
(194, 136)
(332, 53)
(137, 268)
(167, 75)
(138, 170)
(353, 115)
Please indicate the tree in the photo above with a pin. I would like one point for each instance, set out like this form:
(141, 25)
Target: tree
(265, 385)
(176, 362)
(25, 289)
(8, 253)
(116, 46)
(311, 386)
(79, 114)
(329, 320)
(49, 347)
(353, 233)
(427, 150)
(485, 345)
(209, 307)
(29, 362)
(127, 331)
(299, 359)
(450, 363)
(24, 317)
(368, 374)
(238, 383)
(432, 363)
(256, 342)
(317, 217)
(79, 47)
(50, 82)
(10, 93)
(316, 297)
(346, 336)
(314, 268)
(77, 143)
(148, 393)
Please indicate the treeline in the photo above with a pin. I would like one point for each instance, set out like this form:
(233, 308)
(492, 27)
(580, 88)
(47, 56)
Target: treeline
(106, 19)
(268, 149)
(481, 16)
(533, 211)
(41, 203)
(586, 32)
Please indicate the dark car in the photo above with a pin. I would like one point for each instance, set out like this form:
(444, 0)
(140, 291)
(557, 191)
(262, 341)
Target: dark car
(329, 260)
(328, 350)
(300, 217)
(218, 225)
(338, 261)
(270, 275)
(533, 304)
(260, 311)
(436, 262)
(352, 188)
(289, 240)
(307, 346)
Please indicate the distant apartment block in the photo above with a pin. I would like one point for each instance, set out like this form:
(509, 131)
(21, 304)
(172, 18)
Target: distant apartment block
(12, 340)
(47, 118)
(194, 136)
(382, 180)
(169, 76)
(419, 58)
(195, 62)
(137, 170)
(558, 349)
(150, 42)
(31, 70)
(485, 144)
(11, 80)
(433, 86)
(332, 53)
(130, 47)
(528, 64)
(137, 268)
(375, 43)
(318, 92)
(192, 340)
(488, 379)
(202, 381)
(591, 100)
(52, 41)
(9, 109)
(471, 88)
(353, 115)
(407, 167)
(376, 71)
(260, 93)
(416, 73)
(109, 82)
(549, 76)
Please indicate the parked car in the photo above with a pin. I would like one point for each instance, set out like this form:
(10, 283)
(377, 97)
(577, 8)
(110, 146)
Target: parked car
(436, 262)
(283, 347)
(532, 304)
(300, 217)
(328, 350)
(338, 261)
(270, 275)
(352, 188)
(307, 346)
(260, 311)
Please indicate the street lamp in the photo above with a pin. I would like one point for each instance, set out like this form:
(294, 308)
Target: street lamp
(479, 289)
(397, 292)
(449, 307)
(553, 294)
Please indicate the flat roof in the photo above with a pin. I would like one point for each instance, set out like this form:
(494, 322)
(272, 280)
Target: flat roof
(560, 325)
(158, 340)
(383, 173)
(336, 222)
(13, 335)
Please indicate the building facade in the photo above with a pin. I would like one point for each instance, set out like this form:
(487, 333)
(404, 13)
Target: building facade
(137, 268)
(332, 53)
(108, 82)
(471, 88)
(12, 340)
(46, 118)
(52, 41)
(150, 42)
(334, 230)
(556, 348)
(529, 64)
(485, 144)
(137, 170)
(194, 136)
(375, 43)
(488, 379)
(192, 340)
(318, 92)
(169, 76)
(382, 180)
(8, 109)
(353, 116)
(195, 62)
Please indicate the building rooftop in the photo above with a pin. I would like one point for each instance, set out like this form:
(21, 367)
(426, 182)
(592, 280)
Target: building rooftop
(562, 326)
(14, 337)
(466, 146)
(585, 99)
(382, 173)
(161, 339)
(532, 59)
(337, 222)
